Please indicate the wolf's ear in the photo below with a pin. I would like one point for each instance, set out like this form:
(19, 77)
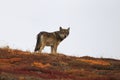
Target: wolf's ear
(69, 28)
(60, 28)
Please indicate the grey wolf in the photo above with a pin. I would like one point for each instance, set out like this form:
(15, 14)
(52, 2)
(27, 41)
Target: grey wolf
(51, 39)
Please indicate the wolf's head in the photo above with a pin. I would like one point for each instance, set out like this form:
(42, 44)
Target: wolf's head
(64, 32)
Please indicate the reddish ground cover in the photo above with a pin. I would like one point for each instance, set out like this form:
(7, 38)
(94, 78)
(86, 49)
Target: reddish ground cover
(21, 65)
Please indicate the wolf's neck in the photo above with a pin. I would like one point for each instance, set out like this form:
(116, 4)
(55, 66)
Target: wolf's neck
(57, 34)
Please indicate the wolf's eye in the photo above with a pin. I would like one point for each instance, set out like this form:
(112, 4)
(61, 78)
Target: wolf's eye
(63, 31)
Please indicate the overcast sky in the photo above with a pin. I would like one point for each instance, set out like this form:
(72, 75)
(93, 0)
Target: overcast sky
(94, 25)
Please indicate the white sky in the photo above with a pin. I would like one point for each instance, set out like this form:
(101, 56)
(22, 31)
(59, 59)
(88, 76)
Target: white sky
(95, 25)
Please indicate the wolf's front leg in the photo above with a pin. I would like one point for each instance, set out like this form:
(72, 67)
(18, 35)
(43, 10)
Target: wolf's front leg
(53, 49)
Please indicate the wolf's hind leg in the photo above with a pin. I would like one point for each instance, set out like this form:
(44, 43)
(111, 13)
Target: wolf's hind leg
(41, 48)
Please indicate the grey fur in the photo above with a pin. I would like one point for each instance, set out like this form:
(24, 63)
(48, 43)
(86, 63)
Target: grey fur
(51, 39)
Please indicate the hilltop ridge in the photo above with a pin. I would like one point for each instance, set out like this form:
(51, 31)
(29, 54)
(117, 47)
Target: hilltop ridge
(23, 65)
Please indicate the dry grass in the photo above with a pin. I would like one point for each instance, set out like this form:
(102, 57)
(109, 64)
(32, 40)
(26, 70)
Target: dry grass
(95, 62)
(20, 65)
(40, 65)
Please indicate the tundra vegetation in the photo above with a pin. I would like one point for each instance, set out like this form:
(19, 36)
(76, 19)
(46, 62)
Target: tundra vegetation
(24, 65)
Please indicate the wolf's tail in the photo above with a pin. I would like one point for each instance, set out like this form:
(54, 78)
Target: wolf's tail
(38, 43)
